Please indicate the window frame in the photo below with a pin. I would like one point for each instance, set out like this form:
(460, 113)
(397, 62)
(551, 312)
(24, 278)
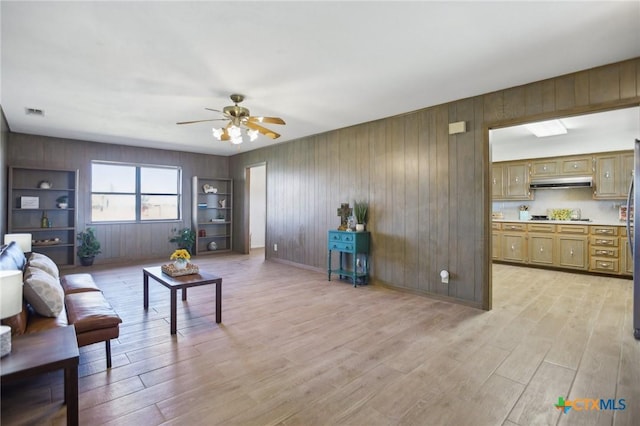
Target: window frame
(138, 194)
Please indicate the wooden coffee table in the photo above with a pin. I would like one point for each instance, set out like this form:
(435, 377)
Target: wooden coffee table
(182, 283)
(38, 353)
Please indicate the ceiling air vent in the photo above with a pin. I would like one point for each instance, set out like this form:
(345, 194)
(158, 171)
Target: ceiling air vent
(34, 111)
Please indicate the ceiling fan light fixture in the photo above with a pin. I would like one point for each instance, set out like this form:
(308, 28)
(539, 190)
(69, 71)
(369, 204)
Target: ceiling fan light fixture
(234, 132)
(217, 133)
(253, 135)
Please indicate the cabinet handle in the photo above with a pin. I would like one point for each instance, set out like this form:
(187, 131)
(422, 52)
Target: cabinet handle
(571, 252)
(513, 247)
(517, 179)
(604, 242)
(575, 165)
(604, 264)
(604, 252)
(494, 181)
(605, 231)
(541, 249)
(544, 167)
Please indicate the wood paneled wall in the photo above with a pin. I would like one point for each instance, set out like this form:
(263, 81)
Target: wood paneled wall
(120, 242)
(429, 192)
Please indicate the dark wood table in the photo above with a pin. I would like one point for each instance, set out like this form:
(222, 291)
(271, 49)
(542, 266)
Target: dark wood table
(182, 283)
(44, 352)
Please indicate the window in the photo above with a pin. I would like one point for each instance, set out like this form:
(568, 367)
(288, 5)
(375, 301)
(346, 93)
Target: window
(134, 193)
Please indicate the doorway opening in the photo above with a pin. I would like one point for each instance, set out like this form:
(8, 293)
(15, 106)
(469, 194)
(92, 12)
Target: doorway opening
(516, 149)
(257, 188)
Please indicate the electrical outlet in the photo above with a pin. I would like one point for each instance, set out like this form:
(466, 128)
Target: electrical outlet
(275, 247)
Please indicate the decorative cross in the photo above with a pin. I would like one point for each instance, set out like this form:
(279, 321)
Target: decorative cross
(344, 212)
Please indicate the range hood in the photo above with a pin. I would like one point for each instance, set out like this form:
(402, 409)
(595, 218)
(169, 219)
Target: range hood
(562, 182)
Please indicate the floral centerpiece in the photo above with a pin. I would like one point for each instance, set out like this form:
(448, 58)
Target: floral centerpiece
(181, 258)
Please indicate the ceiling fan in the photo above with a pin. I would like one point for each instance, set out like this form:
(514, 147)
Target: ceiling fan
(240, 118)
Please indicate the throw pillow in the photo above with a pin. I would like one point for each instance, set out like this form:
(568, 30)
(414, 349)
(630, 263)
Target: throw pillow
(43, 262)
(43, 292)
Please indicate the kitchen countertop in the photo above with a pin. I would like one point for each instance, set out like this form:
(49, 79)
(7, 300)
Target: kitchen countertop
(608, 222)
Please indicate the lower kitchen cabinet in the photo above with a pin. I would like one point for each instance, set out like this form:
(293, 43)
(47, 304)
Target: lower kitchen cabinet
(542, 242)
(541, 248)
(626, 266)
(572, 251)
(514, 247)
(600, 249)
(604, 252)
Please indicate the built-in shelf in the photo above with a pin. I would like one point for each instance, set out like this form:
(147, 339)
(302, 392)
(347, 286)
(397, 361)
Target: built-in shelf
(212, 214)
(30, 202)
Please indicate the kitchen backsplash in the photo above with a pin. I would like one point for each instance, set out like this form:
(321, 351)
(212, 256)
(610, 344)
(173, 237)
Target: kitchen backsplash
(575, 198)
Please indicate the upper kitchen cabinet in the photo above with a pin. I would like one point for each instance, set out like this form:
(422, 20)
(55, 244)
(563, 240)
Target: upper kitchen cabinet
(582, 165)
(510, 181)
(562, 166)
(612, 175)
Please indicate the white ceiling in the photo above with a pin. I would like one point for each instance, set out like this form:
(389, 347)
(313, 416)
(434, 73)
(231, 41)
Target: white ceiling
(126, 72)
(597, 132)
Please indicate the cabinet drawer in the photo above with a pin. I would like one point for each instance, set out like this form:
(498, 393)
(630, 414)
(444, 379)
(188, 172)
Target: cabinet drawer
(604, 241)
(577, 166)
(514, 226)
(541, 227)
(573, 229)
(496, 226)
(604, 265)
(604, 230)
(347, 237)
(604, 252)
(345, 247)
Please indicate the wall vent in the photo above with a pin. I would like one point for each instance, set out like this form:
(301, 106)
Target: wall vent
(34, 111)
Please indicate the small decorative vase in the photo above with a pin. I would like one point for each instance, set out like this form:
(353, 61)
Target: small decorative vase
(180, 264)
(359, 227)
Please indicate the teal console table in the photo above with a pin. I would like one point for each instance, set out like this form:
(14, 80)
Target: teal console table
(354, 243)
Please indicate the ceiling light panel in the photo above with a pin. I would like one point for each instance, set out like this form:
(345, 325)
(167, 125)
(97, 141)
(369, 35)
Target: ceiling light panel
(547, 128)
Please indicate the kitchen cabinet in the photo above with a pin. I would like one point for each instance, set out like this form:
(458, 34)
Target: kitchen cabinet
(542, 241)
(626, 260)
(212, 214)
(546, 167)
(600, 249)
(516, 181)
(613, 173)
(626, 175)
(495, 240)
(510, 181)
(497, 186)
(572, 243)
(581, 165)
(604, 253)
(35, 208)
(513, 247)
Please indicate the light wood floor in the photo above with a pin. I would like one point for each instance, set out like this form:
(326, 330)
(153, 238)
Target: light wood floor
(294, 349)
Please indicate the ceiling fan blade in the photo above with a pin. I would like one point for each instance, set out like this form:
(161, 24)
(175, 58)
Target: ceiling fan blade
(211, 109)
(198, 121)
(269, 133)
(272, 120)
